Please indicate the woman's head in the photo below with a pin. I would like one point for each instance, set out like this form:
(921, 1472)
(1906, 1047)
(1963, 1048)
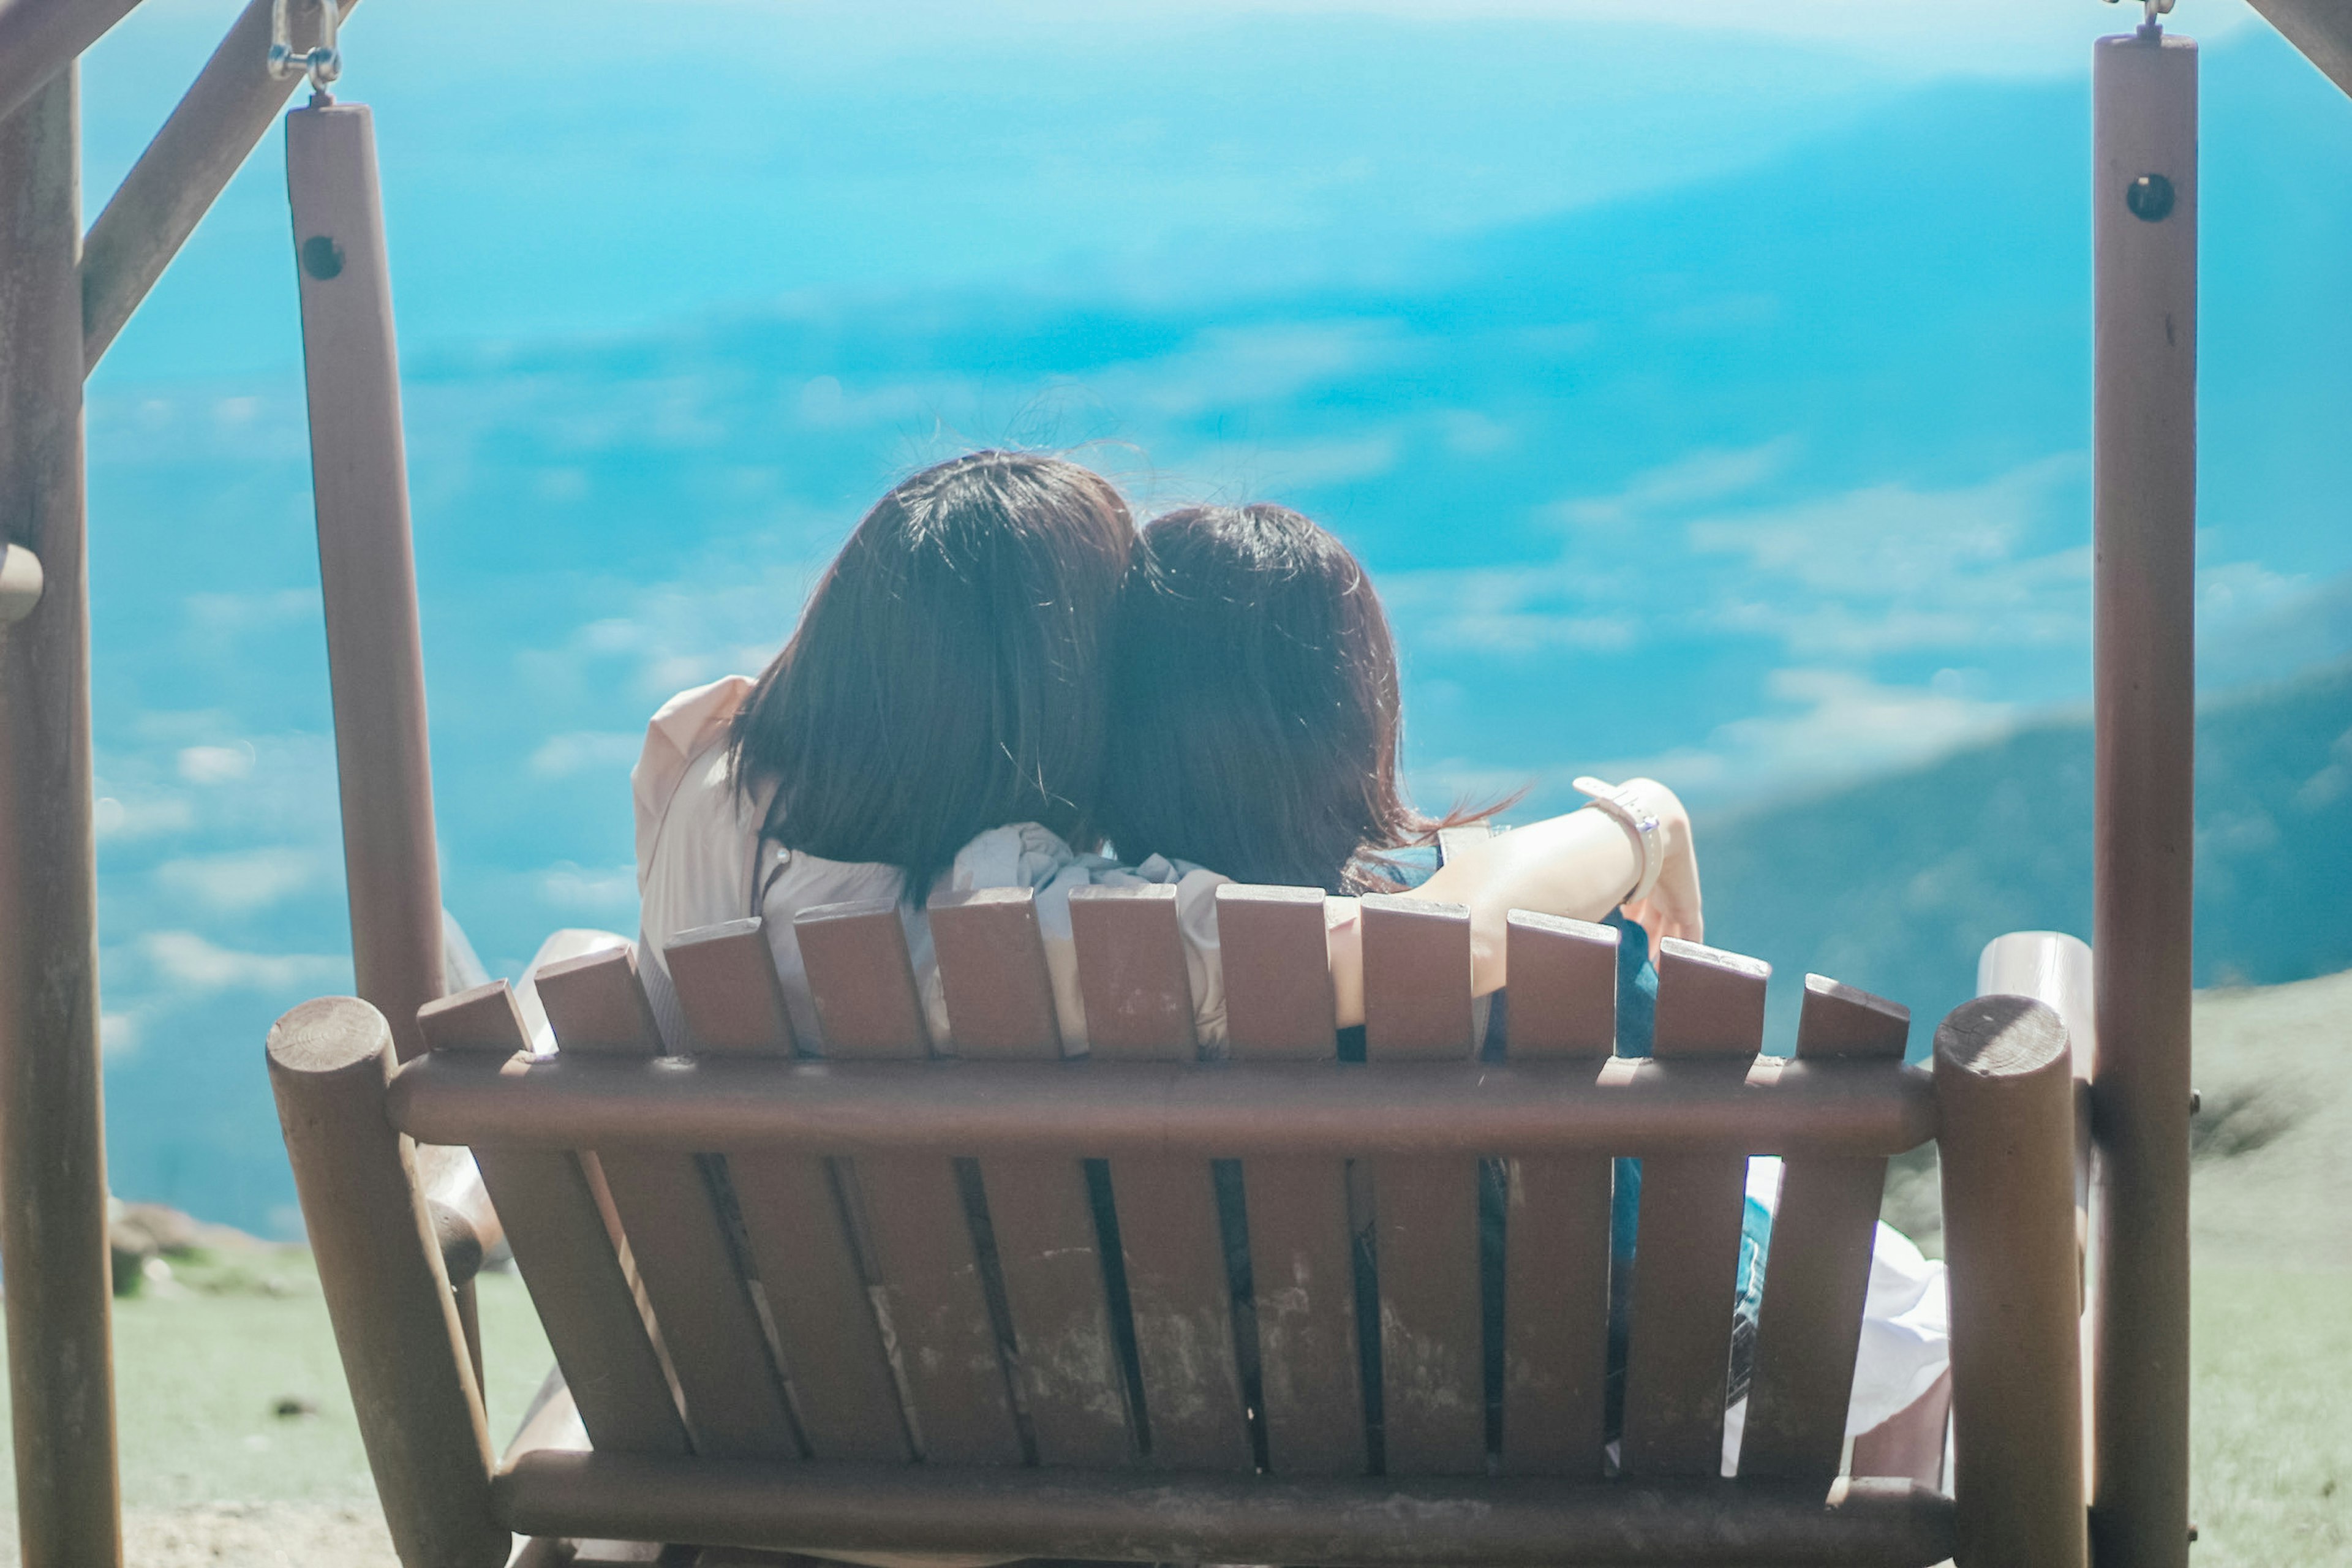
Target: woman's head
(946, 677)
(1253, 703)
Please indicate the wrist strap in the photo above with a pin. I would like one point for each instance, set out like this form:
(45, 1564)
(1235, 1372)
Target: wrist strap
(1633, 815)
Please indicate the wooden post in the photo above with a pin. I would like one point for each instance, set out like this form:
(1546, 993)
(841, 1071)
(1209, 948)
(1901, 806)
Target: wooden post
(2144, 201)
(40, 38)
(359, 477)
(2005, 1094)
(52, 1140)
(396, 1324)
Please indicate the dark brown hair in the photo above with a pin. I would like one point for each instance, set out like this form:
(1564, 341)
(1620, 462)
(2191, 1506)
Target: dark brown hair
(1254, 721)
(946, 677)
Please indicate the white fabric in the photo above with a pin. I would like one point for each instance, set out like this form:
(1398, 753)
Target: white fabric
(700, 859)
(1906, 1326)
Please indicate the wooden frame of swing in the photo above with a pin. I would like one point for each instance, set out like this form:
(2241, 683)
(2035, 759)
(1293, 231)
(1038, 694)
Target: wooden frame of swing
(64, 295)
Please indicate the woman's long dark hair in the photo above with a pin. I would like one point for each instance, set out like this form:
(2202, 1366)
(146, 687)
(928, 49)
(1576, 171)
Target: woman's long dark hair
(946, 676)
(1255, 721)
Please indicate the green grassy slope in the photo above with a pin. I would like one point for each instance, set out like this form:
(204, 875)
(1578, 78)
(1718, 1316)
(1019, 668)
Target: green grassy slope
(1895, 885)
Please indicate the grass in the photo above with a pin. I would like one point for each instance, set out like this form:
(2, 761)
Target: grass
(204, 1362)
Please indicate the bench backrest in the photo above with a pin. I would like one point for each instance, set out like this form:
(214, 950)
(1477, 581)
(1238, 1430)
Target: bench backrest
(1135, 1301)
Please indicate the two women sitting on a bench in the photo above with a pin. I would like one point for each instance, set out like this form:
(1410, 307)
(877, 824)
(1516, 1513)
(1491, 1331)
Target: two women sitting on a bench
(996, 682)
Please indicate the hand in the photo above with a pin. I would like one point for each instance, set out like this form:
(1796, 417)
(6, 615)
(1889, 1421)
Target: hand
(1673, 907)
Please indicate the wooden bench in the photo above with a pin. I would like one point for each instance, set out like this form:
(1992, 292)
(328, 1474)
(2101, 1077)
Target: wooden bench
(1146, 1307)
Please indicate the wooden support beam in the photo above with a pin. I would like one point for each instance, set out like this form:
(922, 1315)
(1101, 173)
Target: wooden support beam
(52, 1141)
(1290, 1110)
(229, 107)
(2144, 601)
(38, 39)
(2321, 29)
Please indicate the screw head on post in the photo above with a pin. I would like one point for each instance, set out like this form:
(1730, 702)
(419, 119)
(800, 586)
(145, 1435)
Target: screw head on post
(2150, 198)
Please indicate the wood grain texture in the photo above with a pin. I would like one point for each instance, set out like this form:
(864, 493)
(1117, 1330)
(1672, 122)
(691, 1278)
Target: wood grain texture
(1556, 1257)
(909, 1209)
(405, 1351)
(2004, 1081)
(677, 1230)
(2143, 118)
(1417, 1008)
(1279, 1008)
(579, 1281)
(367, 570)
(837, 1368)
(1000, 999)
(1686, 1252)
(1138, 1001)
(1132, 973)
(1277, 959)
(52, 1126)
(1817, 1273)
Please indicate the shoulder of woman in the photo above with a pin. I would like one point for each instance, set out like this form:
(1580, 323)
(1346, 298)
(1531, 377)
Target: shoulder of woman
(685, 727)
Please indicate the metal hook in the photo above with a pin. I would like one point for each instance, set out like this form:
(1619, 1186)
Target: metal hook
(2155, 8)
(324, 61)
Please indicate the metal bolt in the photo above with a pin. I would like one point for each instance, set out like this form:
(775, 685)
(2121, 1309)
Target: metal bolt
(2150, 197)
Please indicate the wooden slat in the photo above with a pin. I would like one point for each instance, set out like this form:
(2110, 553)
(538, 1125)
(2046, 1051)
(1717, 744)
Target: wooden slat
(838, 1370)
(911, 1210)
(1563, 986)
(1000, 999)
(1132, 974)
(1817, 1273)
(1556, 1293)
(578, 1279)
(717, 1347)
(1273, 945)
(1417, 1008)
(1140, 1007)
(1687, 1251)
(992, 965)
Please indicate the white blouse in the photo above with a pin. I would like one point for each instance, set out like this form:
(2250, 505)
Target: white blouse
(700, 861)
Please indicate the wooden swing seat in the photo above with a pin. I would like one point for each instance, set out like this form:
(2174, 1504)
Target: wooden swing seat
(862, 1303)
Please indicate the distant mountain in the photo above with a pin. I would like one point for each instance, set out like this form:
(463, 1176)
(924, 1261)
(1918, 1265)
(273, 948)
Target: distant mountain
(1895, 885)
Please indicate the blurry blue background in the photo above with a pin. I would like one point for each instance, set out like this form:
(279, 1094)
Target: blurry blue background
(1707, 391)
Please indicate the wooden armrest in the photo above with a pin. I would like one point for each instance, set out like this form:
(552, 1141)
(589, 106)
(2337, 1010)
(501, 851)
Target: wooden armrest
(465, 1226)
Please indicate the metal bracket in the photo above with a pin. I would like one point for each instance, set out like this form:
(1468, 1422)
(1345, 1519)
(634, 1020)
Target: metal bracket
(324, 61)
(2155, 8)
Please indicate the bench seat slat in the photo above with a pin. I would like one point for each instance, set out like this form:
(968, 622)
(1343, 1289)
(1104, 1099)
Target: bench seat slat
(676, 1230)
(1417, 1008)
(1817, 1275)
(909, 1208)
(1000, 1000)
(835, 1363)
(1563, 980)
(1686, 1247)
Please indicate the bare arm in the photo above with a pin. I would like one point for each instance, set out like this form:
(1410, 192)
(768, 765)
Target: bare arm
(1580, 864)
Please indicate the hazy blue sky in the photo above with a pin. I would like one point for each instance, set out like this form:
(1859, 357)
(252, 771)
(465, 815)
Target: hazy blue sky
(1708, 399)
